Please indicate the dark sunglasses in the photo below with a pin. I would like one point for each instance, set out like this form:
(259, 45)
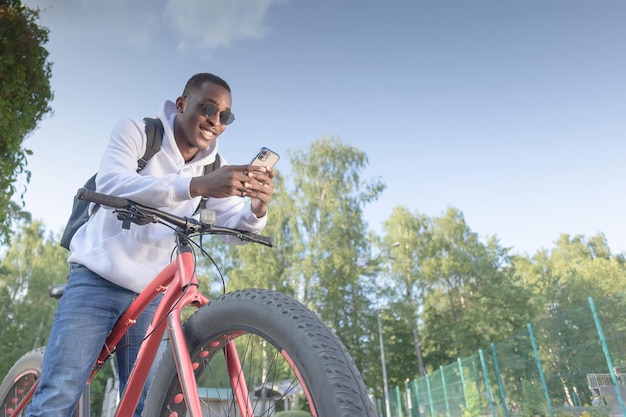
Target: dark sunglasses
(209, 109)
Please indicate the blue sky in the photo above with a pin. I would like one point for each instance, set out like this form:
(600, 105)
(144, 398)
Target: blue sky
(511, 111)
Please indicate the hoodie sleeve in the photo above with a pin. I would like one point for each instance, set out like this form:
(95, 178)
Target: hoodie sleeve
(118, 175)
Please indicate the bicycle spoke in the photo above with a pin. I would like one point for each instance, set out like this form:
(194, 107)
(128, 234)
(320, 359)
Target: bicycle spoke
(286, 357)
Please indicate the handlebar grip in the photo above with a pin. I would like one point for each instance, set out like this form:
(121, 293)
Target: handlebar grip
(264, 240)
(102, 199)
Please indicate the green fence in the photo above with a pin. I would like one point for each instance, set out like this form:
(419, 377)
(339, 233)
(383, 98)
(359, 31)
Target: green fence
(569, 365)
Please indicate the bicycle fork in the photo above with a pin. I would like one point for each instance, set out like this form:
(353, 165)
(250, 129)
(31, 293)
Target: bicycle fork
(237, 380)
(186, 368)
(184, 363)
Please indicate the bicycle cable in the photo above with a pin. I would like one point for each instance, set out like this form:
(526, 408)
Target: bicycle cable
(205, 253)
(208, 255)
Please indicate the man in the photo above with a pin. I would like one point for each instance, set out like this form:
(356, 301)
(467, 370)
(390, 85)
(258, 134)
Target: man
(109, 265)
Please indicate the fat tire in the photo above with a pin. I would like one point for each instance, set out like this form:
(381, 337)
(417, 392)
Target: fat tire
(323, 364)
(22, 375)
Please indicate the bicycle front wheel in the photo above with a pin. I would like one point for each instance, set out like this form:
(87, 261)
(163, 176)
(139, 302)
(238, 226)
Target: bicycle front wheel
(290, 360)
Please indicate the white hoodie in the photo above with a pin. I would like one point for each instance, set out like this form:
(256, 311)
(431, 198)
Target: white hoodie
(132, 258)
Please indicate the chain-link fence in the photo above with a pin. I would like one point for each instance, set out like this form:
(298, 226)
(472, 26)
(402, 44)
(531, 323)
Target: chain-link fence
(568, 365)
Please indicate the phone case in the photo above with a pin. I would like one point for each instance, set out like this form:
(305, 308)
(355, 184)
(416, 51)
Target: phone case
(265, 158)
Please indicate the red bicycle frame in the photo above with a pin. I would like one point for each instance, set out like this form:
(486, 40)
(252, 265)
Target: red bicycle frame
(180, 280)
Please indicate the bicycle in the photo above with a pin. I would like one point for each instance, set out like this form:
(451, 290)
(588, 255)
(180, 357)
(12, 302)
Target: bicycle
(248, 353)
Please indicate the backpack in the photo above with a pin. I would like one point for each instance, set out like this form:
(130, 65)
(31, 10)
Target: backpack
(80, 208)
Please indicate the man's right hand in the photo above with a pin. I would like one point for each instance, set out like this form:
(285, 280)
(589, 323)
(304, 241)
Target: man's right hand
(233, 180)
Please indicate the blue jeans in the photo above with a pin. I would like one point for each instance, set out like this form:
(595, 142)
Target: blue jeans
(86, 313)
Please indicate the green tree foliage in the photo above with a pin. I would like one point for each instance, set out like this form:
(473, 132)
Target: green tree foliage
(406, 241)
(475, 401)
(475, 298)
(331, 241)
(256, 266)
(28, 269)
(575, 265)
(399, 343)
(442, 291)
(564, 278)
(25, 87)
(30, 266)
(459, 293)
(321, 242)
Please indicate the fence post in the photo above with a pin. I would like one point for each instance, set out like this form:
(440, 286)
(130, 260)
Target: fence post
(408, 399)
(607, 355)
(445, 391)
(486, 378)
(381, 407)
(499, 377)
(430, 396)
(399, 402)
(418, 404)
(458, 361)
(539, 367)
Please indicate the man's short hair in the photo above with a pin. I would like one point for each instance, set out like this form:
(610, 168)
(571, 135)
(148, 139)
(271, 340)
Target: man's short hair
(196, 81)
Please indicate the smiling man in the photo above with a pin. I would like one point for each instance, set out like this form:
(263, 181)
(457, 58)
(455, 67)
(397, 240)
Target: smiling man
(110, 264)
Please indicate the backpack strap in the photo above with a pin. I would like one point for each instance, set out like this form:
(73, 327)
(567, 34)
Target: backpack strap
(80, 209)
(215, 165)
(154, 134)
(208, 169)
(154, 139)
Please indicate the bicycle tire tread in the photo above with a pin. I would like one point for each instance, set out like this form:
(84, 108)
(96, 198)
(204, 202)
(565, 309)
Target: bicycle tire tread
(330, 371)
(322, 339)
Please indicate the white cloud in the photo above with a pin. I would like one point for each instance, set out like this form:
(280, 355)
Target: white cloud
(216, 23)
(110, 20)
(191, 23)
(79, 14)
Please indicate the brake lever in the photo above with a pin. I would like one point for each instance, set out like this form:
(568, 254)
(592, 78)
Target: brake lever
(128, 216)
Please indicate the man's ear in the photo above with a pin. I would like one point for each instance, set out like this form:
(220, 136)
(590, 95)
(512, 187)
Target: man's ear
(180, 104)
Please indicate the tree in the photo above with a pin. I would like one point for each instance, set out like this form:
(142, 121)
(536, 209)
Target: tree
(321, 252)
(256, 266)
(407, 243)
(585, 267)
(25, 84)
(330, 240)
(474, 298)
(31, 265)
(563, 279)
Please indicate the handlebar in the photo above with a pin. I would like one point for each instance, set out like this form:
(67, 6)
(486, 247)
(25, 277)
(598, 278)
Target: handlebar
(137, 213)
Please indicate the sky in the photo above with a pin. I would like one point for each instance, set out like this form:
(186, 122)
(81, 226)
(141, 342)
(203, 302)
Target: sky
(512, 112)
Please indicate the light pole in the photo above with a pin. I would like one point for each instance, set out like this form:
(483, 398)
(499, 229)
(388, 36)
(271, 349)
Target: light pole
(382, 360)
(382, 346)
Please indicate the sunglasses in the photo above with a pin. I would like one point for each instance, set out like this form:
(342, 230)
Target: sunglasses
(210, 109)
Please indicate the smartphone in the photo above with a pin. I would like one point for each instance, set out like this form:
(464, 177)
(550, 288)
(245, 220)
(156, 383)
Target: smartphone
(265, 158)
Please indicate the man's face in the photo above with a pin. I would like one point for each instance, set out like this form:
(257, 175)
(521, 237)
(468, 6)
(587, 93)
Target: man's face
(199, 131)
